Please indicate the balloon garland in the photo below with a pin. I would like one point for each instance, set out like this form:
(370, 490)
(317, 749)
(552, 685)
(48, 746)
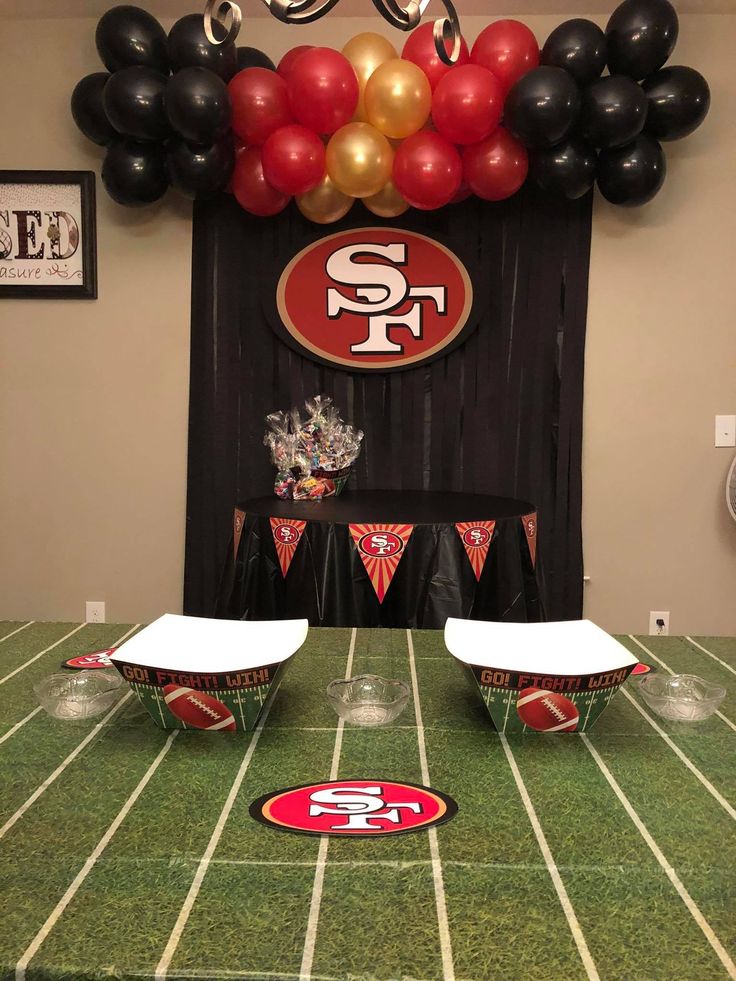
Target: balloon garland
(396, 130)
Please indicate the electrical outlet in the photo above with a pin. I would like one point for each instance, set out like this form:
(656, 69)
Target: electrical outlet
(659, 623)
(95, 611)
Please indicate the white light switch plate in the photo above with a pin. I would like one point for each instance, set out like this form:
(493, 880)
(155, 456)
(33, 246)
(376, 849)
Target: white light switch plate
(725, 430)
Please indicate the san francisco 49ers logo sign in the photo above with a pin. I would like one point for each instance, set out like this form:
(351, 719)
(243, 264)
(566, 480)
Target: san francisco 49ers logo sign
(287, 534)
(380, 544)
(476, 537)
(374, 299)
(354, 808)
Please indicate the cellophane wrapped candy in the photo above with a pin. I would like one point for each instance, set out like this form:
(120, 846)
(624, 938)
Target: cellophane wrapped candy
(313, 454)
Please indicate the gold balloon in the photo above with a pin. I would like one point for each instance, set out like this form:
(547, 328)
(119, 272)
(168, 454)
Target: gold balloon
(324, 203)
(366, 52)
(359, 160)
(388, 203)
(398, 98)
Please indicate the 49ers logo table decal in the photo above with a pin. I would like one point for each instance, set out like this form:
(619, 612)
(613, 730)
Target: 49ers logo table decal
(286, 536)
(354, 808)
(380, 547)
(476, 538)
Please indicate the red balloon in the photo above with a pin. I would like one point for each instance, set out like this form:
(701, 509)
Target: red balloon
(508, 49)
(420, 48)
(427, 170)
(260, 104)
(467, 104)
(251, 189)
(323, 90)
(293, 159)
(496, 167)
(290, 58)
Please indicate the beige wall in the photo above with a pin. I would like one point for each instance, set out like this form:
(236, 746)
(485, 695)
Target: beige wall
(93, 395)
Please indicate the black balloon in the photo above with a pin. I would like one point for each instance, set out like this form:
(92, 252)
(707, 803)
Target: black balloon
(200, 172)
(134, 101)
(567, 169)
(541, 107)
(641, 35)
(578, 46)
(127, 35)
(253, 58)
(631, 175)
(679, 99)
(188, 47)
(613, 111)
(88, 111)
(134, 174)
(198, 105)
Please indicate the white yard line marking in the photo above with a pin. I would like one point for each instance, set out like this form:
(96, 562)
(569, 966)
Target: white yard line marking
(19, 725)
(705, 650)
(720, 715)
(667, 868)
(33, 947)
(41, 653)
(679, 753)
(204, 862)
(448, 966)
(17, 631)
(62, 766)
(572, 920)
(310, 938)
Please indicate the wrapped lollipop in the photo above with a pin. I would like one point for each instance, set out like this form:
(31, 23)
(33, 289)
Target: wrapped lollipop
(284, 448)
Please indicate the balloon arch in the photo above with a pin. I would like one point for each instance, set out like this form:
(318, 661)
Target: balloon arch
(395, 130)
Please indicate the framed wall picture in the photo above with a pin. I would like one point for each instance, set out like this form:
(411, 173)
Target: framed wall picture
(48, 234)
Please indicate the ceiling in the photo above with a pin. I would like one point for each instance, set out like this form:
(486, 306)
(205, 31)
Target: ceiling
(346, 8)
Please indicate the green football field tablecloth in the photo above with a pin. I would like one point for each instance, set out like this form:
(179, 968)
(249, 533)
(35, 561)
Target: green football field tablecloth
(128, 852)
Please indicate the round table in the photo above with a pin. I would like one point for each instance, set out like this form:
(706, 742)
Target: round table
(382, 558)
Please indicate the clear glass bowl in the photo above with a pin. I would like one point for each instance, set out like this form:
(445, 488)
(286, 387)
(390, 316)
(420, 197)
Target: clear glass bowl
(78, 695)
(368, 700)
(681, 697)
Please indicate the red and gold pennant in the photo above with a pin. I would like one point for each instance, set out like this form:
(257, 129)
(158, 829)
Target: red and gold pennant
(286, 536)
(381, 547)
(238, 522)
(530, 530)
(476, 537)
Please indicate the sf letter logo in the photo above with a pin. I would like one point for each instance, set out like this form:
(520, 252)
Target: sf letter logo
(381, 289)
(361, 807)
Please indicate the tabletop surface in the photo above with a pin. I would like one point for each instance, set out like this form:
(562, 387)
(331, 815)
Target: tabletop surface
(406, 507)
(129, 852)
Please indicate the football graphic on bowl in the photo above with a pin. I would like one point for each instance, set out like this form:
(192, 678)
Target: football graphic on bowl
(198, 709)
(546, 711)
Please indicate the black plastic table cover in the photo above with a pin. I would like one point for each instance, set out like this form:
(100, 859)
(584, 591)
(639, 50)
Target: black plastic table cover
(327, 581)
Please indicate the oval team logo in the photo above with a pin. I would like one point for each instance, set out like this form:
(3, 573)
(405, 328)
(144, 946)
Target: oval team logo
(354, 808)
(380, 544)
(476, 537)
(374, 298)
(287, 534)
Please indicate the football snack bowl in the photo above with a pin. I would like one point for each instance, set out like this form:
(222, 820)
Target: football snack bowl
(681, 697)
(79, 695)
(368, 700)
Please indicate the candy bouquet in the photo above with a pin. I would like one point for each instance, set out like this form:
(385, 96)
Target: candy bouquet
(313, 456)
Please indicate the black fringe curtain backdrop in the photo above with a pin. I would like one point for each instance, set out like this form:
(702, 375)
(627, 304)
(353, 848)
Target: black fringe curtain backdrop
(500, 414)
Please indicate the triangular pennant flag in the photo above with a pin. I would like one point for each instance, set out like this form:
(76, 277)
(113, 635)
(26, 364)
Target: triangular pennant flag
(530, 530)
(238, 522)
(381, 547)
(286, 536)
(476, 537)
